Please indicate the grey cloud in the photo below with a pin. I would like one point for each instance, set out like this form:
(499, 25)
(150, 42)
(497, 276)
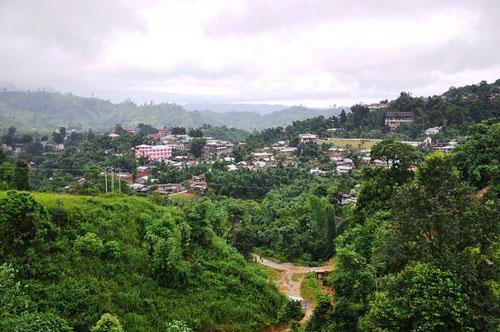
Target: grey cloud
(264, 15)
(59, 43)
(70, 26)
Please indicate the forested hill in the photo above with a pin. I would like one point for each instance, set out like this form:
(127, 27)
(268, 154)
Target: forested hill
(454, 111)
(66, 260)
(51, 110)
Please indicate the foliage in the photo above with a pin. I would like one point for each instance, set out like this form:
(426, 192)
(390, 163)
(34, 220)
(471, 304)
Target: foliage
(178, 326)
(23, 221)
(107, 323)
(38, 322)
(421, 256)
(420, 298)
(291, 310)
(89, 244)
(478, 155)
(147, 264)
(196, 147)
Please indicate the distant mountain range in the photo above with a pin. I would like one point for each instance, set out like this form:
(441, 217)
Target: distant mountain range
(46, 110)
(225, 108)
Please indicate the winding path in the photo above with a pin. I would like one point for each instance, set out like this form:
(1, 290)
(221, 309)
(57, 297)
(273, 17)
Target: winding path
(290, 278)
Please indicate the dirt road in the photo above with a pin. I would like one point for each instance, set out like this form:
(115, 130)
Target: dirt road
(290, 278)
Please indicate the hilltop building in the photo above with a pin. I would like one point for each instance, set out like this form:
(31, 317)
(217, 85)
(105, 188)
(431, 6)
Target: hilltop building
(394, 119)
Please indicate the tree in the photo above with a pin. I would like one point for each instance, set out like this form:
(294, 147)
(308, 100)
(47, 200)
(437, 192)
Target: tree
(22, 220)
(145, 129)
(178, 131)
(421, 298)
(107, 323)
(478, 155)
(240, 153)
(3, 157)
(21, 176)
(10, 137)
(196, 147)
(430, 212)
(7, 172)
(394, 154)
(342, 118)
(311, 150)
(359, 115)
(119, 130)
(62, 131)
(35, 148)
(196, 132)
(57, 137)
(25, 139)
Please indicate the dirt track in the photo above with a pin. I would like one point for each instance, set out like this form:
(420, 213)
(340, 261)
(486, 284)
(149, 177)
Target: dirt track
(290, 278)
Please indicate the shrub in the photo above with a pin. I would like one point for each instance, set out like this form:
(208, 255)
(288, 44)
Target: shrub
(107, 323)
(89, 244)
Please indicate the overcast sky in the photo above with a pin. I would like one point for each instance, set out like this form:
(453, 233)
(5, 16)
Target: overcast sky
(311, 52)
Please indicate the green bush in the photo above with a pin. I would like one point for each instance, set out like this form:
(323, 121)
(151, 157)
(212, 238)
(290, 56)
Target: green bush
(89, 244)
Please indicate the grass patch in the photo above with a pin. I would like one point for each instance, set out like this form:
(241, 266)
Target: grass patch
(271, 274)
(354, 143)
(310, 289)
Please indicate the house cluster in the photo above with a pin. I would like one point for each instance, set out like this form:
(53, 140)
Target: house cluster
(217, 148)
(167, 147)
(147, 182)
(260, 159)
(344, 165)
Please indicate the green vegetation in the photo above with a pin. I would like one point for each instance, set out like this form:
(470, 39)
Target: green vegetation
(310, 289)
(47, 111)
(74, 258)
(420, 252)
(415, 242)
(294, 223)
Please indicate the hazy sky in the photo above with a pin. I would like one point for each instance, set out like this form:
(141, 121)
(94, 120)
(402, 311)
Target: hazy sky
(314, 52)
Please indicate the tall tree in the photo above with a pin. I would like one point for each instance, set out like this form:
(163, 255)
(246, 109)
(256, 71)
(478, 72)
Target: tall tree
(478, 155)
(196, 147)
(21, 176)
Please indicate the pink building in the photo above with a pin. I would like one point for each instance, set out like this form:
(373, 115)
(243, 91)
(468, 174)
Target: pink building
(153, 152)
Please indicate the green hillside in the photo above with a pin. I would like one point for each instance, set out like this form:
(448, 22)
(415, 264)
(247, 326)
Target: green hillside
(79, 256)
(48, 110)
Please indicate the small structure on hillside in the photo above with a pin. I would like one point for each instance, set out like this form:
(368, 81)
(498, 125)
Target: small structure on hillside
(394, 119)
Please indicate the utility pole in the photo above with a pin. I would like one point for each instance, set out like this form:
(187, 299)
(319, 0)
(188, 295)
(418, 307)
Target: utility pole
(113, 180)
(106, 180)
(119, 183)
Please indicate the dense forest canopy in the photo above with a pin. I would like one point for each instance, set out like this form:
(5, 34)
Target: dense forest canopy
(420, 252)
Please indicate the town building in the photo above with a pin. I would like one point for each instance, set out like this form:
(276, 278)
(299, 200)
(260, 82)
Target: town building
(432, 131)
(153, 152)
(395, 119)
(380, 105)
(336, 152)
(308, 138)
(169, 188)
